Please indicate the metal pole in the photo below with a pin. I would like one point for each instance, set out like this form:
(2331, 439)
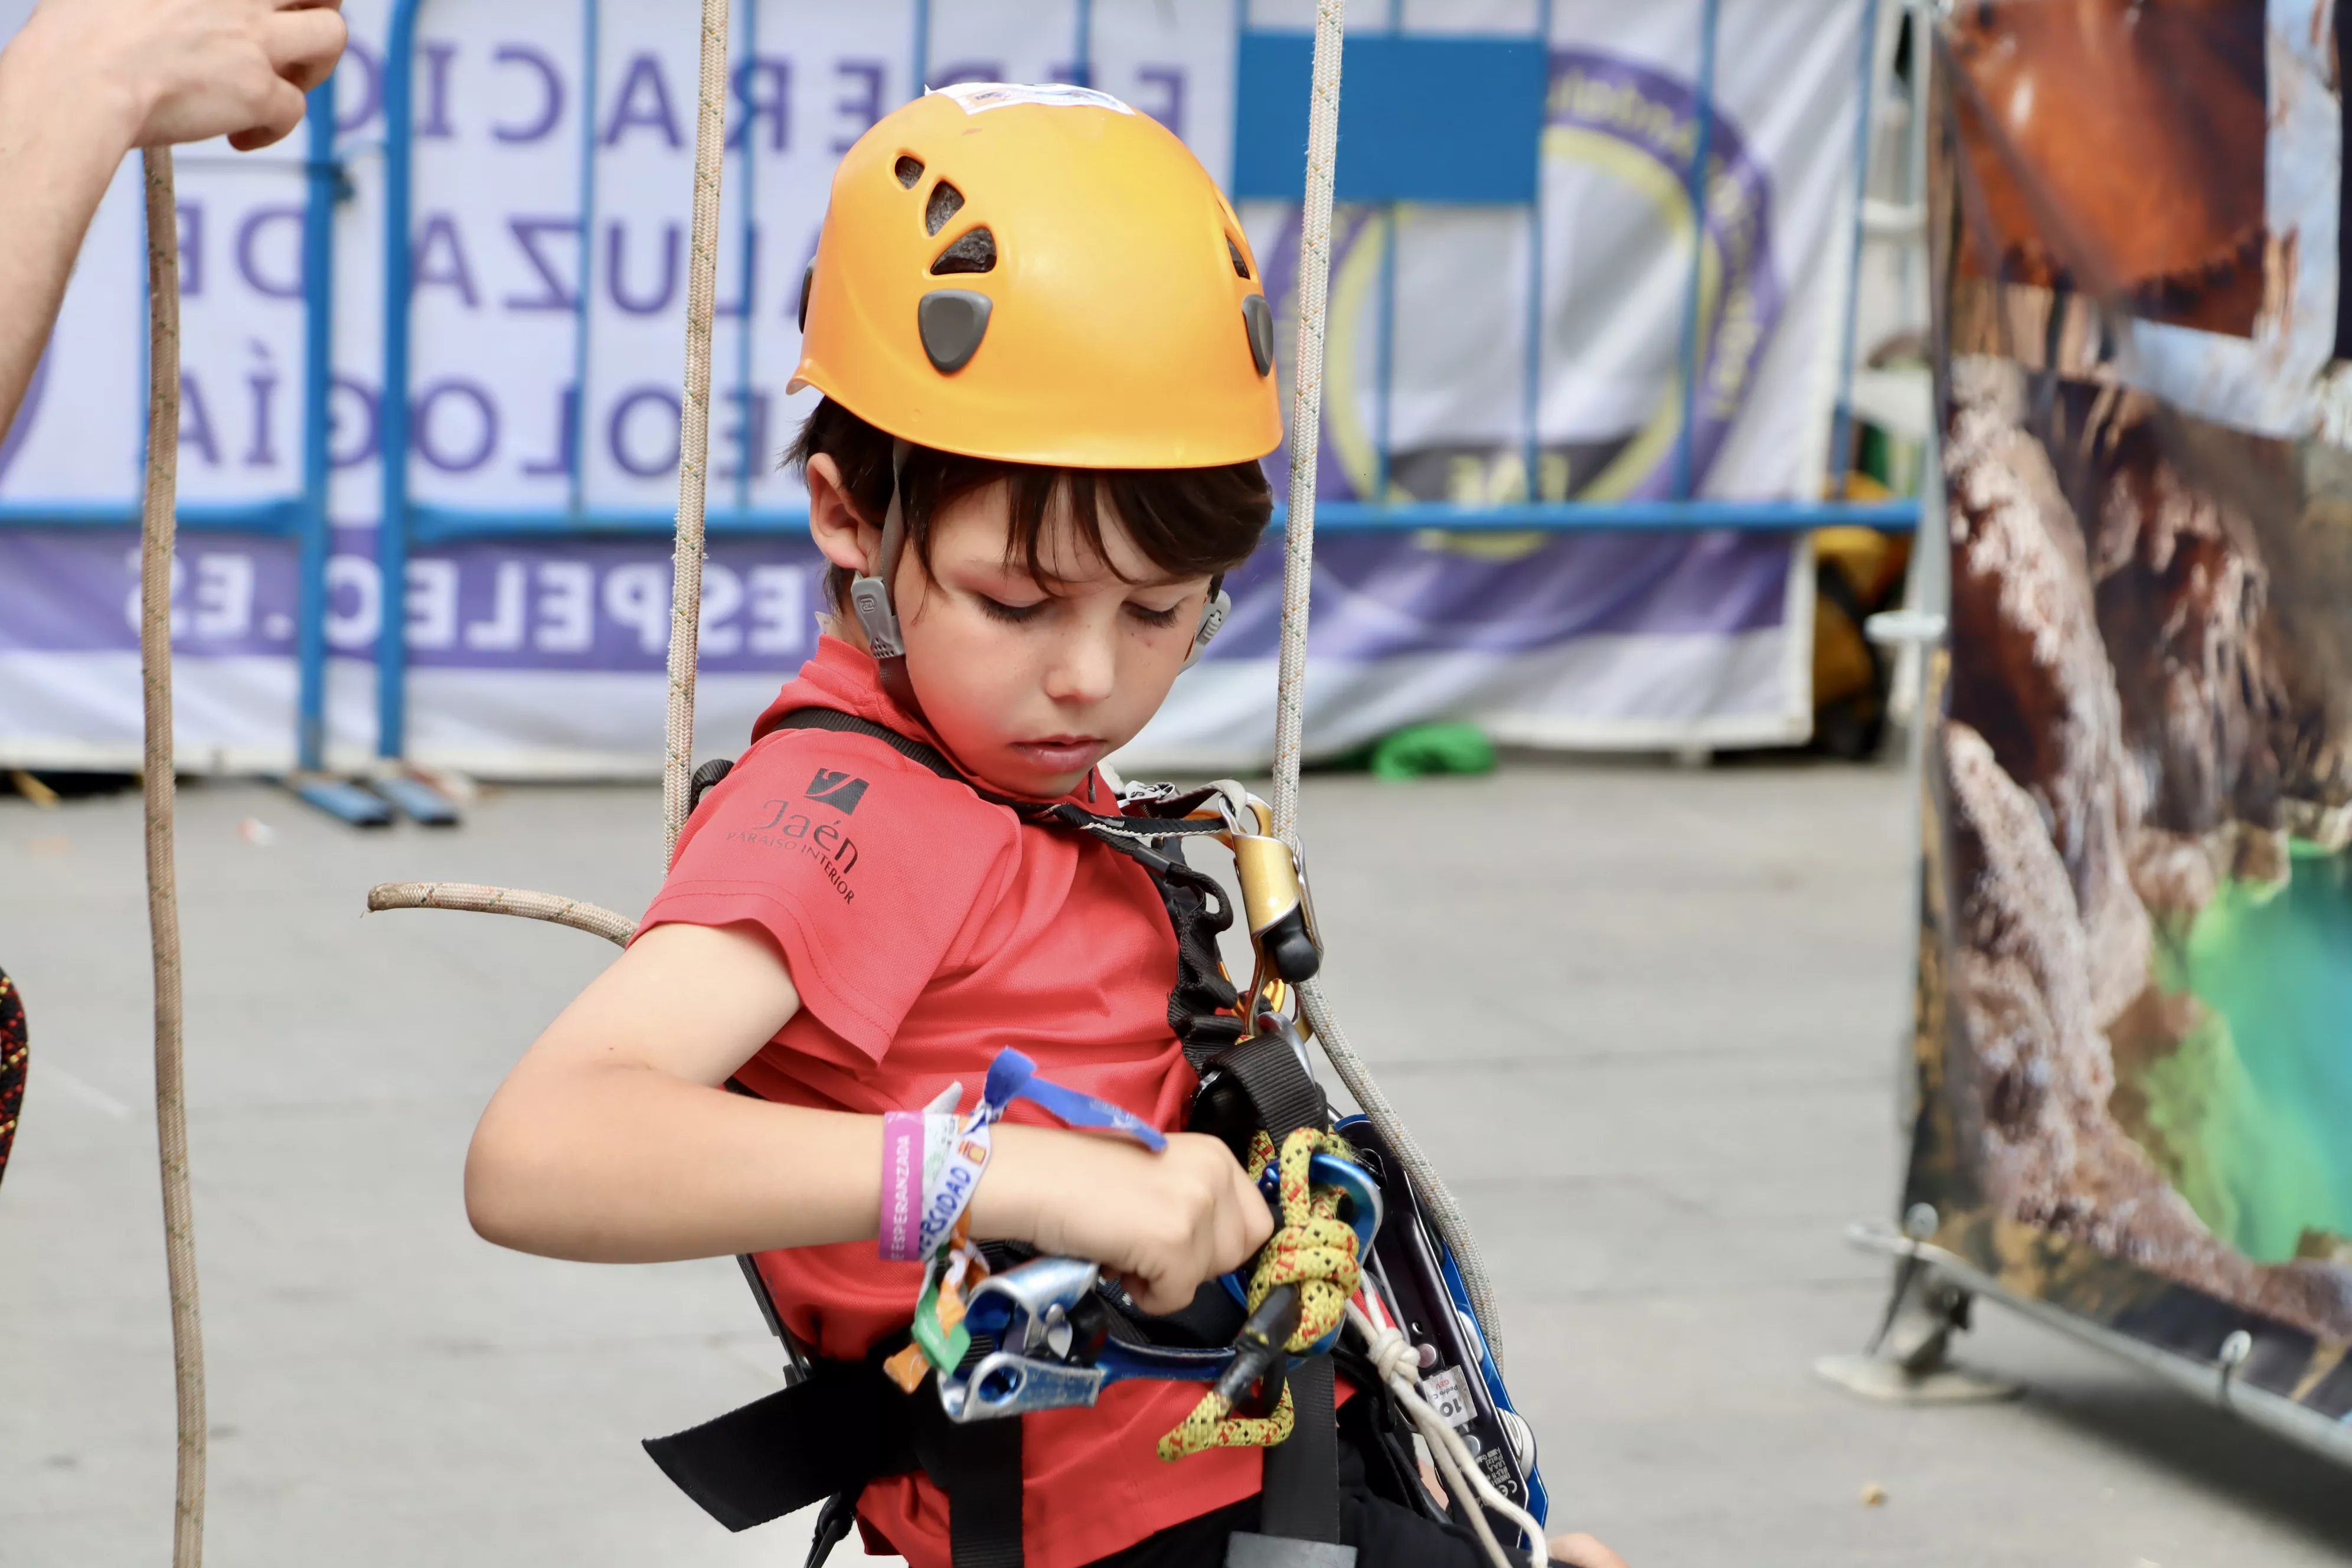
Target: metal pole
(747, 205)
(1531, 387)
(1836, 463)
(575, 439)
(392, 527)
(1702, 150)
(1384, 359)
(318, 371)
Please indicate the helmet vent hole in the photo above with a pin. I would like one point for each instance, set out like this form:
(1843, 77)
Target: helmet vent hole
(908, 171)
(1241, 265)
(945, 202)
(973, 251)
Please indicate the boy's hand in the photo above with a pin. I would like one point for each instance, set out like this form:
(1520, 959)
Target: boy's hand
(1164, 1222)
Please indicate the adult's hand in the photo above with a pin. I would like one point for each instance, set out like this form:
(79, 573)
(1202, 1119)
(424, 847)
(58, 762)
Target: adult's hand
(85, 81)
(187, 71)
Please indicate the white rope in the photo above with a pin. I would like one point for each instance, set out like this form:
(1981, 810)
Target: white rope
(1307, 410)
(158, 527)
(1392, 1356)
(1298, 581)
(694, 425)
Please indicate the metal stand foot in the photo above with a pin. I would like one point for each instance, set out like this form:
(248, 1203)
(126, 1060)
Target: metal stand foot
(1910, 1358)
(342, 800)
(416, 799)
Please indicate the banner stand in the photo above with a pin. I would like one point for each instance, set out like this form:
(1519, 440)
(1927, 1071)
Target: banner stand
(2218, 1384)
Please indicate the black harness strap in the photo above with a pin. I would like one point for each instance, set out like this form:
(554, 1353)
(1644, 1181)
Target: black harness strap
(843, 1426)
(978, 1464)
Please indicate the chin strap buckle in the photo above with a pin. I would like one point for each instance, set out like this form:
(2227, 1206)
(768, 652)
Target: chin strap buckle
(869, 593)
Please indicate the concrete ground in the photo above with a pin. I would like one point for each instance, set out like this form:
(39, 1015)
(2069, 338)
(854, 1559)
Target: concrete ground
(1645, 1017)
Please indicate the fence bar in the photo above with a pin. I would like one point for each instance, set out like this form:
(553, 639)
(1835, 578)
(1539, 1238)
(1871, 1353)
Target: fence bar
(1531, 348)
(1702, 150)
(391, 525)
(576, 413)
(1577, 517)
(1838, 460)
(441, 525)
(1384, 357)
(922, 66)
(747, 187)
(318, 370)
(281, 519)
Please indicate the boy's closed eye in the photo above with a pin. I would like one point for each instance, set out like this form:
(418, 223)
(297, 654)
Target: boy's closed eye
(1154, 617)
(1157, 617)
(1012, 615)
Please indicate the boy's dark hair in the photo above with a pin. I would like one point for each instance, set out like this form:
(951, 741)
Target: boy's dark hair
(1186, 521)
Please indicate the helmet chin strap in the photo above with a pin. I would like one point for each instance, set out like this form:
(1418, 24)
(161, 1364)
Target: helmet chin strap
(869, 596)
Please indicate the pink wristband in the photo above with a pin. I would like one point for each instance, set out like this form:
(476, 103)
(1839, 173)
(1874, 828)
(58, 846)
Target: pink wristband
(902, 1185)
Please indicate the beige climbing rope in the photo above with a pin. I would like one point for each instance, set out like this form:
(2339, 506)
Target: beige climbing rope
(694, 427)
(474, 898)
(157, 528)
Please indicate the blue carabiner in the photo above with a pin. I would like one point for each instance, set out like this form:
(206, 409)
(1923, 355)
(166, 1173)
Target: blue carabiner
(1363, 1216)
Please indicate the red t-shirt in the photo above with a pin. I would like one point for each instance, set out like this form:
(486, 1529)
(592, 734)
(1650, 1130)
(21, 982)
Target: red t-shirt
(926, 930)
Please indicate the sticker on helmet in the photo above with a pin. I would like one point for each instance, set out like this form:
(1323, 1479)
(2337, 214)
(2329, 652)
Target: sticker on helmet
(975, 97)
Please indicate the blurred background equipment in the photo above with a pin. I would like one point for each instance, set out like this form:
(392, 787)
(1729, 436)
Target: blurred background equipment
(1595, 337)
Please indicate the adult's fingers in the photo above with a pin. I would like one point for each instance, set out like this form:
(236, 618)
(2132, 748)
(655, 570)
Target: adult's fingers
(282, 112)
(1582, 1551)
(304, 43)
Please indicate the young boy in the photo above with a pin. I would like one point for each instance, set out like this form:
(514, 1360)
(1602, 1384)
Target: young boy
(1046, 363)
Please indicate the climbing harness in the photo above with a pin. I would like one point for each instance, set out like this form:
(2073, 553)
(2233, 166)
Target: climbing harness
(1368, 1237)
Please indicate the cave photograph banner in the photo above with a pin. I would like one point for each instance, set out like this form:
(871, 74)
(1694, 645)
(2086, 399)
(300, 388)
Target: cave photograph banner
(553, 142)
(2135, 1021)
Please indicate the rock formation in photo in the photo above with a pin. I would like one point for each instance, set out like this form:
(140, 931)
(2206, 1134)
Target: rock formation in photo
(2144, 703)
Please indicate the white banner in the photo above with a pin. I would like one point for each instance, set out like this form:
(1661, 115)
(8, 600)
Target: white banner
(544, 657)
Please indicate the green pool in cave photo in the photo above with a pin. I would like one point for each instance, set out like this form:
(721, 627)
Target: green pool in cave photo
(2254, 1109)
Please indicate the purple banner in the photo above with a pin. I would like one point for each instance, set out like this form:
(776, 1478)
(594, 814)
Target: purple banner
(604, 606)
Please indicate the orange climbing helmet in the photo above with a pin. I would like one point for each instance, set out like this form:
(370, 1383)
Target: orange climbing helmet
(1039, 275)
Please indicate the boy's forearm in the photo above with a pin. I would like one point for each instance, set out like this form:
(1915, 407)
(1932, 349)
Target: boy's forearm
(61, 138)
(629, 1164)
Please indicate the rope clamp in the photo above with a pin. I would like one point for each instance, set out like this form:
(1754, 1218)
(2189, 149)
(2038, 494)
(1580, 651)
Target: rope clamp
(1051, 1326)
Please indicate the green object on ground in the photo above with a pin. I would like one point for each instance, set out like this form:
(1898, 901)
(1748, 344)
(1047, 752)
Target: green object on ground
(1426, 749)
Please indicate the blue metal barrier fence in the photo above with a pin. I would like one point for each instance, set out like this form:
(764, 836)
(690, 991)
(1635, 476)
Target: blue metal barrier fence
(300, 517)
(1410, 171)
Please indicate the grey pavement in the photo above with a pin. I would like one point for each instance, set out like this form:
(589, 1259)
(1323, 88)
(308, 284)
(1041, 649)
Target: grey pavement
(1645, 1017)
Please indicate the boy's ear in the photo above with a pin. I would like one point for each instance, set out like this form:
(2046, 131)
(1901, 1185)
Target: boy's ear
(847, 540)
